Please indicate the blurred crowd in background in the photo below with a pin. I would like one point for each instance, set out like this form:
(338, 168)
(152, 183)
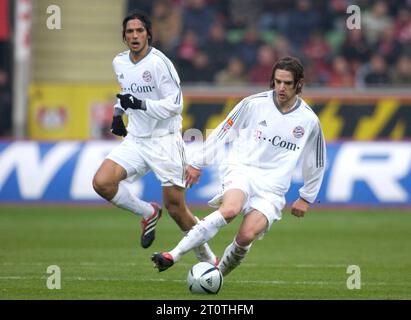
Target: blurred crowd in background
(5, 71)
(235, 42)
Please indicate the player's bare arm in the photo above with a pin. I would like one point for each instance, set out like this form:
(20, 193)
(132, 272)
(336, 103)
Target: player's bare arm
(299, 207)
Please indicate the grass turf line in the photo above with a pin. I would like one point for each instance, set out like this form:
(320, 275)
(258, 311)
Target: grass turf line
(98, 252)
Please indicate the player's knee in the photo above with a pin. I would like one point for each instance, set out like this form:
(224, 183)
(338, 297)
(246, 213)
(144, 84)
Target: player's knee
(101, 186)
(230, 212)
(97, 184)
(245, 237)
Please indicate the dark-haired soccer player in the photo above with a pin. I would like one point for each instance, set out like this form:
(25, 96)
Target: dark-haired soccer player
(152, 99)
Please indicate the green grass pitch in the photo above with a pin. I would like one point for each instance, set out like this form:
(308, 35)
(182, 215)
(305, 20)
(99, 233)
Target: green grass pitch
(97, 250)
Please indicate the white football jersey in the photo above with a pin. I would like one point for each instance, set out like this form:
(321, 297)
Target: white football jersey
(154, 80)
(270, 143)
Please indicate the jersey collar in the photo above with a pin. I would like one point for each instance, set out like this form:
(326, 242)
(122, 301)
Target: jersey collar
(135, 63)
(293, 108)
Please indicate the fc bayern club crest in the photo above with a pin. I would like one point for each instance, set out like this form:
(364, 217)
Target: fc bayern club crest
(147, 76)
(298, 132)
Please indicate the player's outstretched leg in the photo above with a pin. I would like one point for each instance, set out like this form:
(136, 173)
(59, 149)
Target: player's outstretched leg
(148, 226)
(162, 260)
(198, 235)
(205, 254)
(233, 255)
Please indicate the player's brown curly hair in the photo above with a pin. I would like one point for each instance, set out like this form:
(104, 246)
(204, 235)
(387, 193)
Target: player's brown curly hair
(293, 65)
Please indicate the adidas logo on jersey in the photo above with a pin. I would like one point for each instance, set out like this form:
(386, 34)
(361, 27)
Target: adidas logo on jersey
(263, 123)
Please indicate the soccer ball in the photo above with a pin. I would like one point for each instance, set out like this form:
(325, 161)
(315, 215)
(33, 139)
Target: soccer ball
(204, 278)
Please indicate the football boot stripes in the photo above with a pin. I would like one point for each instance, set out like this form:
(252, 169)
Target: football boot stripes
(148, 226)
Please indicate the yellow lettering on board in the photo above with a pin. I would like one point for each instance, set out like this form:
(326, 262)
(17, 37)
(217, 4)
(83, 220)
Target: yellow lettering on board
(369, 127)
(216, 119)
(331, 123)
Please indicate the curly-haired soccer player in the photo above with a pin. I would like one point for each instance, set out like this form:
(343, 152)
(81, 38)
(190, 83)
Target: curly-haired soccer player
(270, 132)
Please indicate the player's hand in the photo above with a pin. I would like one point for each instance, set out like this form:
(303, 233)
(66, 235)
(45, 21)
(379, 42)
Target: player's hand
(117, 126)
(130, 101)
(192, 176)
(299, 207)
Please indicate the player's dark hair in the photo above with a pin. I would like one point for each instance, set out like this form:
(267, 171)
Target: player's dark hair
(144, 18)
(293, 65)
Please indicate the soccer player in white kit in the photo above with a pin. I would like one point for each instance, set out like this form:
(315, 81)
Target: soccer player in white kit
(152, 99)
(269, 132)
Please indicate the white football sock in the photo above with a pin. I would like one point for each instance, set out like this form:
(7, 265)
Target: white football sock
(125, 200)
(203, 252)
(203, 231)
(233, 255)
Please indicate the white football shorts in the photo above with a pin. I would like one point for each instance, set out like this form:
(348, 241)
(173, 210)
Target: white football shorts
(165, 156)
(267, 202)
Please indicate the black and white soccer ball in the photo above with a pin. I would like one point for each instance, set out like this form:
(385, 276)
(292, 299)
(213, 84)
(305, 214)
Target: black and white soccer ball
(204, 278)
